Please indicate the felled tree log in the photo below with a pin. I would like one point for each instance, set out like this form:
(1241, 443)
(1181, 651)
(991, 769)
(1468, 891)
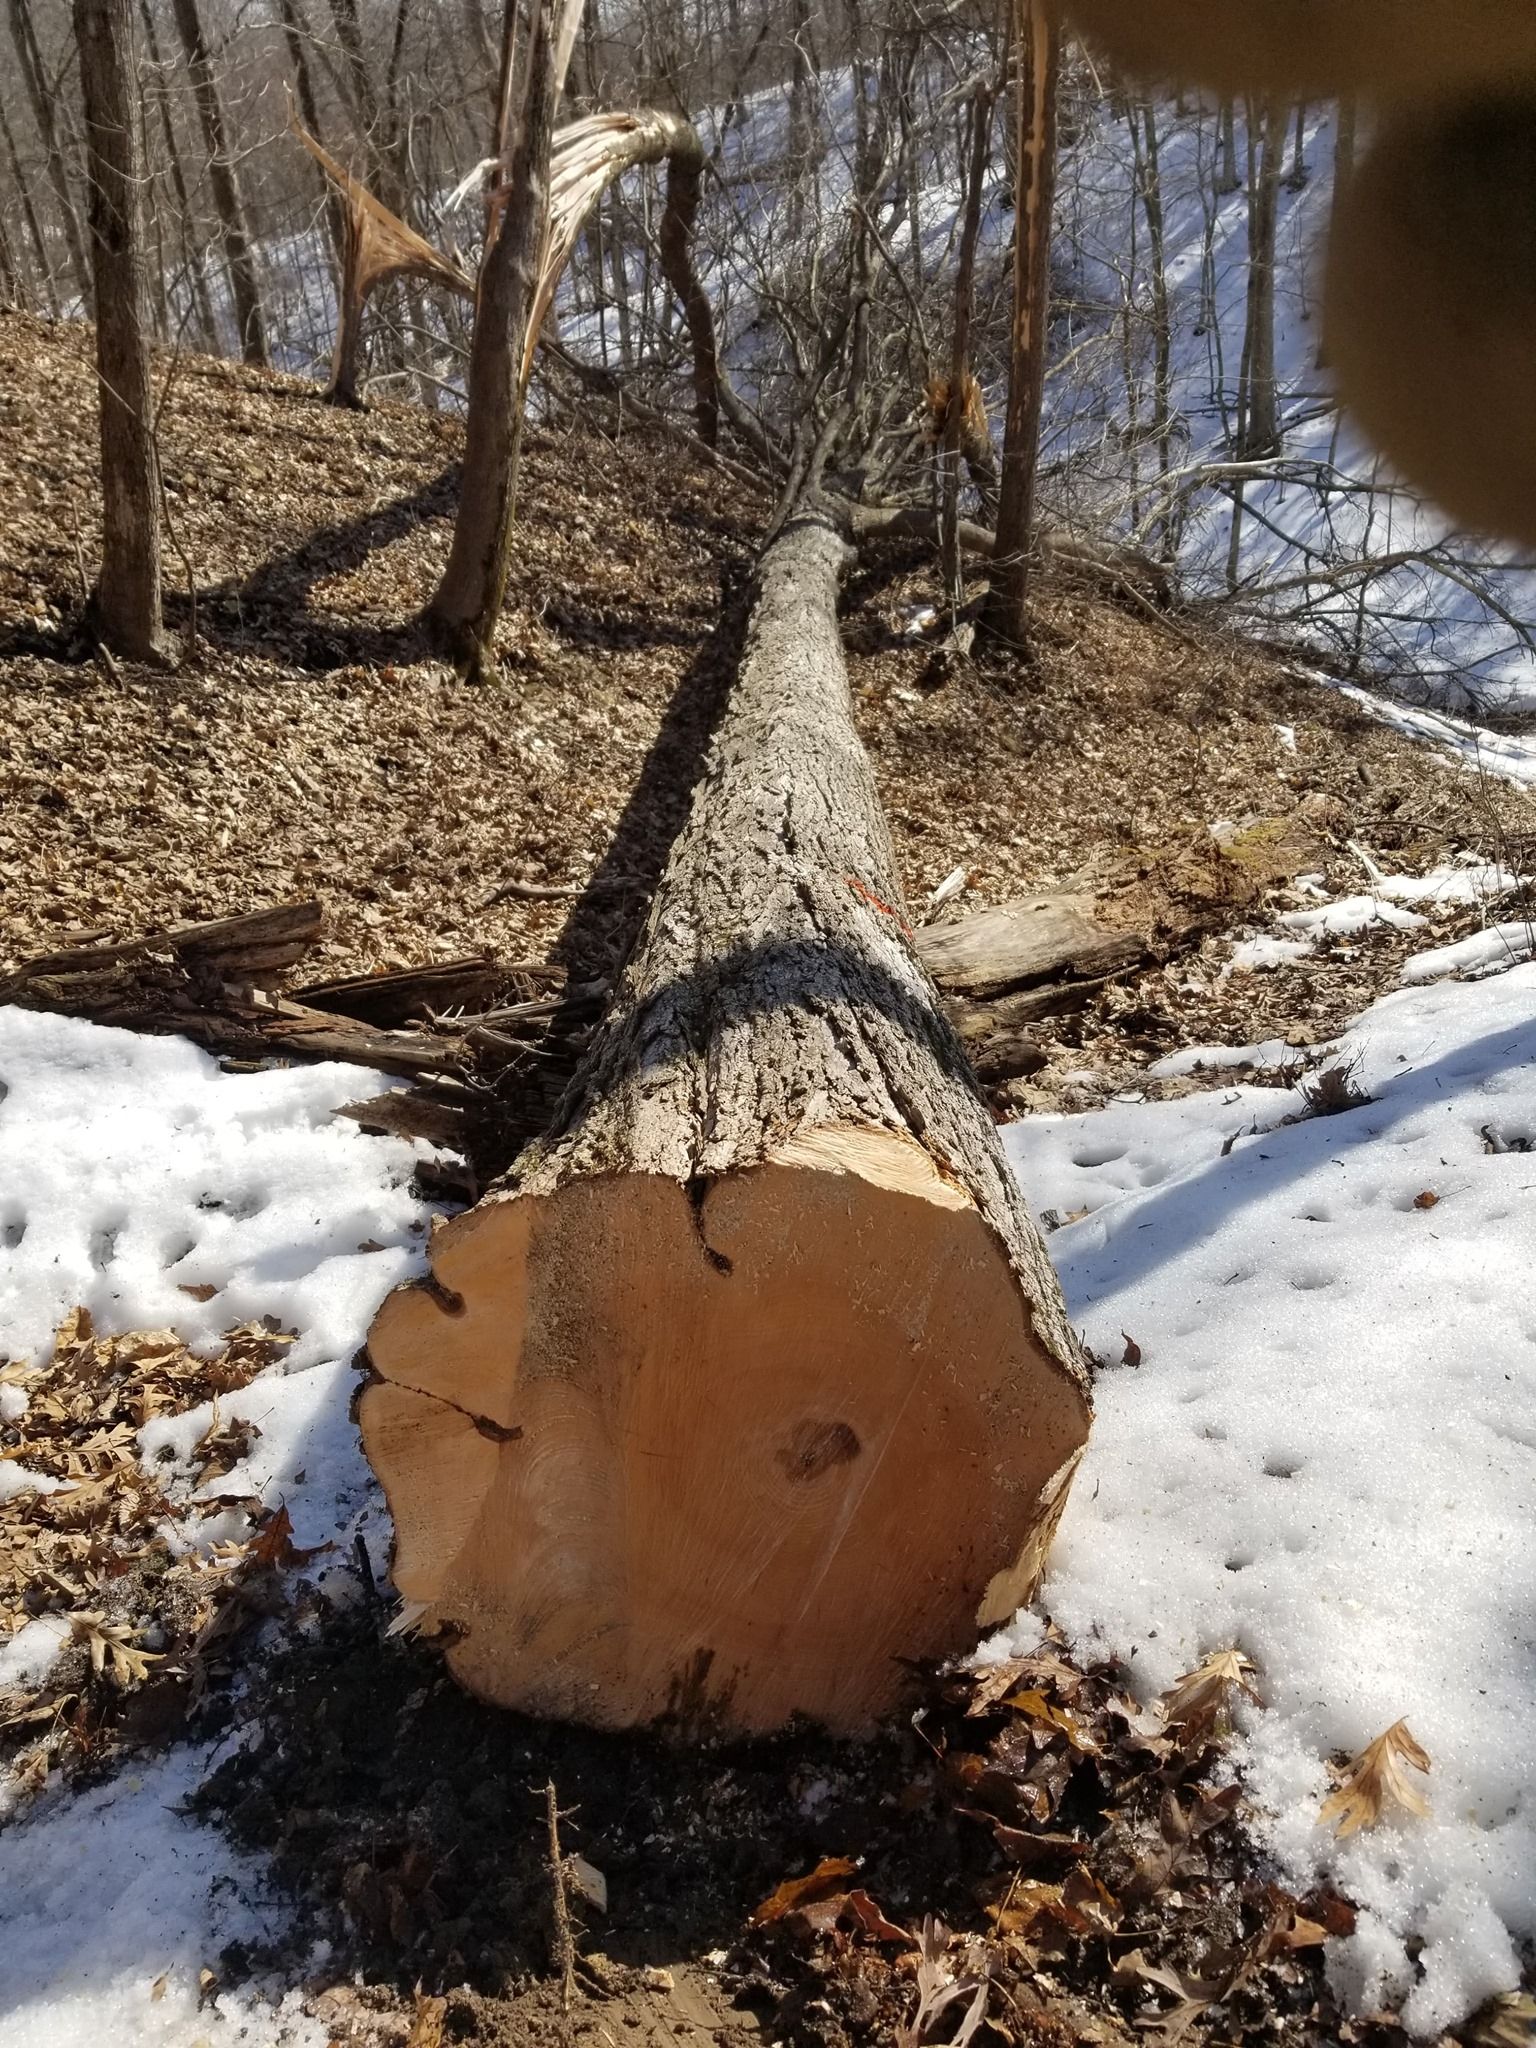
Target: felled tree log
(754, 1383)
(1031, 939)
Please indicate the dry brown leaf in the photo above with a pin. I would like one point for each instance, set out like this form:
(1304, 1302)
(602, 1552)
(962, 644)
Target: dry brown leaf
(427, 2025)
(1197, 1700)
(819, 1883)
(1021, 1906)
(1038, 1708)
(862, 1908)
(112, 1648)
(1508, 2021)
(1375, 1781)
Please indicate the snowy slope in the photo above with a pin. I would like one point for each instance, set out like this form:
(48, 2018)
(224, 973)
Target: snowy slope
(1327, 1453)
(1326, 502)
(130, 1169)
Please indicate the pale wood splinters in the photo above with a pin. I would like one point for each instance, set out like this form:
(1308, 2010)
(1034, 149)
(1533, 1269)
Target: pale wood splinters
(754, 1387)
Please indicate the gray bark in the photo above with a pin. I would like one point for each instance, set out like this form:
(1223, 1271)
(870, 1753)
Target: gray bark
(44, 109)
(238, 253)
(776, 989)
(468, 601)
(127, 598)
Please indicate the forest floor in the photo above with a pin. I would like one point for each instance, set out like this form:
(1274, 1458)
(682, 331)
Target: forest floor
(310, 744)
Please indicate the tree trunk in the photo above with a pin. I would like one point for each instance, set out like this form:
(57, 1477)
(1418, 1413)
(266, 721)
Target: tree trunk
(43, 103)
(1259, 428)
(1149, 183)
(29, 217)
(126, 604)
(952, 434)
(226, 189)
(1039, 54)
(197, 278)
(468, 601)
(684, 179)
(753, 1384)
(296, 36)
(1346, 122)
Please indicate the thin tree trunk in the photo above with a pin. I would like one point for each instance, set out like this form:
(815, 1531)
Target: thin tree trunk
(1227, 178)
(45, 113)
(952, 438)
(29, 216)
(126, 604)
(1260, 428)
(296, 36)
(226, 189)
(468, 601)
(753, 1387)
(684, 182)
(1039, 53)
(192, 255)
(1346, 122)
(10, 276)
(1144, 140)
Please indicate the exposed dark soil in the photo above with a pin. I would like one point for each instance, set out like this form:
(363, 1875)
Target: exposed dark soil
(411, 1824)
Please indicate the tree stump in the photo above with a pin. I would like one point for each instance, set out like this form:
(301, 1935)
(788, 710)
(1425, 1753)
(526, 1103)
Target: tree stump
(753, 1385)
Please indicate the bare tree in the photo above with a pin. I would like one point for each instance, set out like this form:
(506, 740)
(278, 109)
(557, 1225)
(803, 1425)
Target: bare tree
(29, 217)
(1038, 58)
(44, 104)
(126, 603)
(1258, 405)
(238, 253)
(468, 601)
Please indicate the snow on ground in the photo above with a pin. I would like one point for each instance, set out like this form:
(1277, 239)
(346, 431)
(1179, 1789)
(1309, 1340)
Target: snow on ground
(1327, 1454)
(131, 1169)
(1467, 882)
(115, 1903)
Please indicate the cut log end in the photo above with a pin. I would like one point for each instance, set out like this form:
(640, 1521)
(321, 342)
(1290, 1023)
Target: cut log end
(724, 1453)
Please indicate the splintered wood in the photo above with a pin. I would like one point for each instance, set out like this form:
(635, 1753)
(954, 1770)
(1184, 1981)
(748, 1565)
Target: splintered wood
(753, 1387)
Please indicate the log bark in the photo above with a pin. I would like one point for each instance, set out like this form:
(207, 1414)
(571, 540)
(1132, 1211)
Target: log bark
(1032, 939)
(753, 1384)
(125, 605)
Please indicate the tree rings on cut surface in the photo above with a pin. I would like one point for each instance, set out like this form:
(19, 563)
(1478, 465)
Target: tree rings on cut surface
(1316, 49)
(1431, 307)
(720, 1454)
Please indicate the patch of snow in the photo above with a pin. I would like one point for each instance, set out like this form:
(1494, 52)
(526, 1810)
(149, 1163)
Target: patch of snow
(1214, 1059)
(1508, 757)
(1482, 954)
(15, 1478)
(1327, 1455)
(1468, 882)
(1255, 956)
(116, 1890)
(137, 1169)
(1347, 915)
(1286, 734)
(30, 1653)
(140, 1168)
